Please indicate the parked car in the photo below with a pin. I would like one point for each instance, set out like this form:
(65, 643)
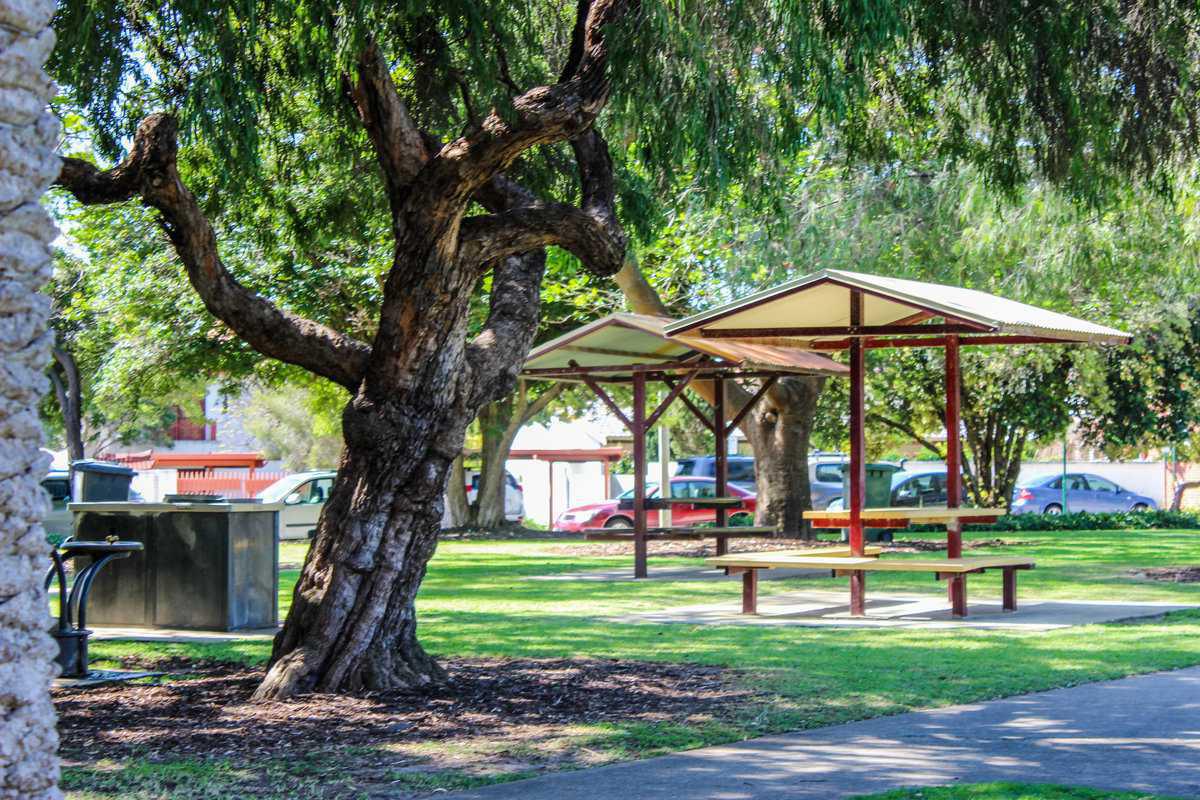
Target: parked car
(57, 484)
(914, 489)
(609, 514)
(825, 480)
(304, 494)
(1085, 492)
(740, 469)
(824, 474)
(514, 495)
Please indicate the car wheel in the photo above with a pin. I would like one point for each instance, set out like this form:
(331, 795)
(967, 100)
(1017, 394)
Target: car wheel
(1053, 508)
(829, 505)
(1140, 507)
(619, 522)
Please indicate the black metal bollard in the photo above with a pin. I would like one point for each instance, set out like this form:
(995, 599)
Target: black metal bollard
(71, 633)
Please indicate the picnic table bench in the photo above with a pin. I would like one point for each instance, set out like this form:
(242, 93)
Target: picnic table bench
(840, 561)
(679, 534)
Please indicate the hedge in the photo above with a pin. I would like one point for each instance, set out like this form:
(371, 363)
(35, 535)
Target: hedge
(1084, 521)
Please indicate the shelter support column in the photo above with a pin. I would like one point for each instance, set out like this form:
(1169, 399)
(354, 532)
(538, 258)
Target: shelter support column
(638, 429)
(721, 453)
(957, 586)
(858, 452)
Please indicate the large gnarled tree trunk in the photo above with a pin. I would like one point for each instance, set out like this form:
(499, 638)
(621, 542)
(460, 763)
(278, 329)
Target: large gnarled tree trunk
(28, 136)
(418, 384)
(779, 429)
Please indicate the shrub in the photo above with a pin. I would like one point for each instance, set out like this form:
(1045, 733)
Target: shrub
(1085, 521)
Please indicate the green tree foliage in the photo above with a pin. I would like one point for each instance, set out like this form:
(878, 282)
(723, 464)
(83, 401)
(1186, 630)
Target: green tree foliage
(298, 422)
(1149, 394)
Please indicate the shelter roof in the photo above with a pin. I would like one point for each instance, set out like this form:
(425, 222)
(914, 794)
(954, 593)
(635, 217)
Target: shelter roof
(627, 342)
(816, 308)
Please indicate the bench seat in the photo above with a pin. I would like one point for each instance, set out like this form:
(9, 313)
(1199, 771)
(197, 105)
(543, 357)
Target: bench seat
(954, 570)
(677, 534)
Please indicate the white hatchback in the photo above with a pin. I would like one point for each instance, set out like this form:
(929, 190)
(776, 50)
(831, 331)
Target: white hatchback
(303, 496)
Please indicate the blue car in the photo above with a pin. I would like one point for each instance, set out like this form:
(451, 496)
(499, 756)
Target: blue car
(1085, 492)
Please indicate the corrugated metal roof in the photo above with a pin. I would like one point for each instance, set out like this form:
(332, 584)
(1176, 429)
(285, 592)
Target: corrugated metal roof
(627, 340)
(822, 299)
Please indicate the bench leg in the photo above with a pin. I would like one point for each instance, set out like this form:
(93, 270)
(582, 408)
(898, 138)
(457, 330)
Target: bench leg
(858, 593)
(722, 545)
(958, 595)
(750, 591)
(1010, 590)
(639, 556)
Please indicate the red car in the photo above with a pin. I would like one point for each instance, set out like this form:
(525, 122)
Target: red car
(609, 514)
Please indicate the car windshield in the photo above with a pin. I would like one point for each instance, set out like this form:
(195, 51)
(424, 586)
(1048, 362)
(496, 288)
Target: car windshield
(281, 489)
(651, 491)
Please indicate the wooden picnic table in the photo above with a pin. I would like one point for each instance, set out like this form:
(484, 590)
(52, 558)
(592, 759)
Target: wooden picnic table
(841, 561)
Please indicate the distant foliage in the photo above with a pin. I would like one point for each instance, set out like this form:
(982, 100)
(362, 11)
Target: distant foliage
(1085, 521)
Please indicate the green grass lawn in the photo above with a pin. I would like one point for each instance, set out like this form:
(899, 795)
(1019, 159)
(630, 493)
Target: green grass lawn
(477, 601)
(1008, 791)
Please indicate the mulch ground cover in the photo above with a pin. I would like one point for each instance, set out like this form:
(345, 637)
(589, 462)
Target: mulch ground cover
(207, 712)
(1170, 574)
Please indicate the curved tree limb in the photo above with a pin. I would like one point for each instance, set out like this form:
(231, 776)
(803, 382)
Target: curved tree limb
(542, 115)
(485, 239)
(399, 145)
(496, 355)
(150, 172)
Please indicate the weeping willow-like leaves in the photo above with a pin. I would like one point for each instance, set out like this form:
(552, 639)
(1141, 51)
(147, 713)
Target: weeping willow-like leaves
(719, 93)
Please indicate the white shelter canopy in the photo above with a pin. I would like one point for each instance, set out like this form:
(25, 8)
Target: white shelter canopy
(625, 341)
(816, 308)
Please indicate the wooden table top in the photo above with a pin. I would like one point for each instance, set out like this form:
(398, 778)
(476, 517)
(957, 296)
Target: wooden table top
(931, 515)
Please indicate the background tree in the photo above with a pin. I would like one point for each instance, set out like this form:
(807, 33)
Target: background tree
(297, 422)
(687, 94)
(28, 740)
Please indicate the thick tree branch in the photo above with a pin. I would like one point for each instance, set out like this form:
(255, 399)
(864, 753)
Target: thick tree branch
(497, 353)
(541, 115)
(485, 239)
(150, 172)
(591, 232)
(399, 144)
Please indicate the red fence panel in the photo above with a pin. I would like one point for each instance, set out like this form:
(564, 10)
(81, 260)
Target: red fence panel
(222, 483)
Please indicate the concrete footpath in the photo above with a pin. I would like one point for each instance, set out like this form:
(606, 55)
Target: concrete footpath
(1135, 734)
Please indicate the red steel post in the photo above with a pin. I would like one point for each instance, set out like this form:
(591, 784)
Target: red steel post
(722, 458)
(858, 454)
(953, 447)
(638, 429)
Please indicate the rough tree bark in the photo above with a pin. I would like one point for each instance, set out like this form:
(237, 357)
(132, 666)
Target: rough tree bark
(64, 377)
(28, 165)
(499, 423)
(779, 429)
(418, 384)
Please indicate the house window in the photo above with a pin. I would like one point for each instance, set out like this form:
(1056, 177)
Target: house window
(187, 430)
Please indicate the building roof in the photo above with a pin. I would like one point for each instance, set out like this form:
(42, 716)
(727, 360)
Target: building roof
(624, 341)
(822, 300)
(153, 459)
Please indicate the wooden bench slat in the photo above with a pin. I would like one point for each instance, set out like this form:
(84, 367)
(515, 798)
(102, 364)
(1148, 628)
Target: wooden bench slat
(867, 564)
(782, 558)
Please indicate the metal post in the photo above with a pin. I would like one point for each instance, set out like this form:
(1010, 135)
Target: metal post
(664, 474)
(858, 453)
(1063, 482)
(721, 453)
(638, 429)
(550, 502)
(956, 586)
